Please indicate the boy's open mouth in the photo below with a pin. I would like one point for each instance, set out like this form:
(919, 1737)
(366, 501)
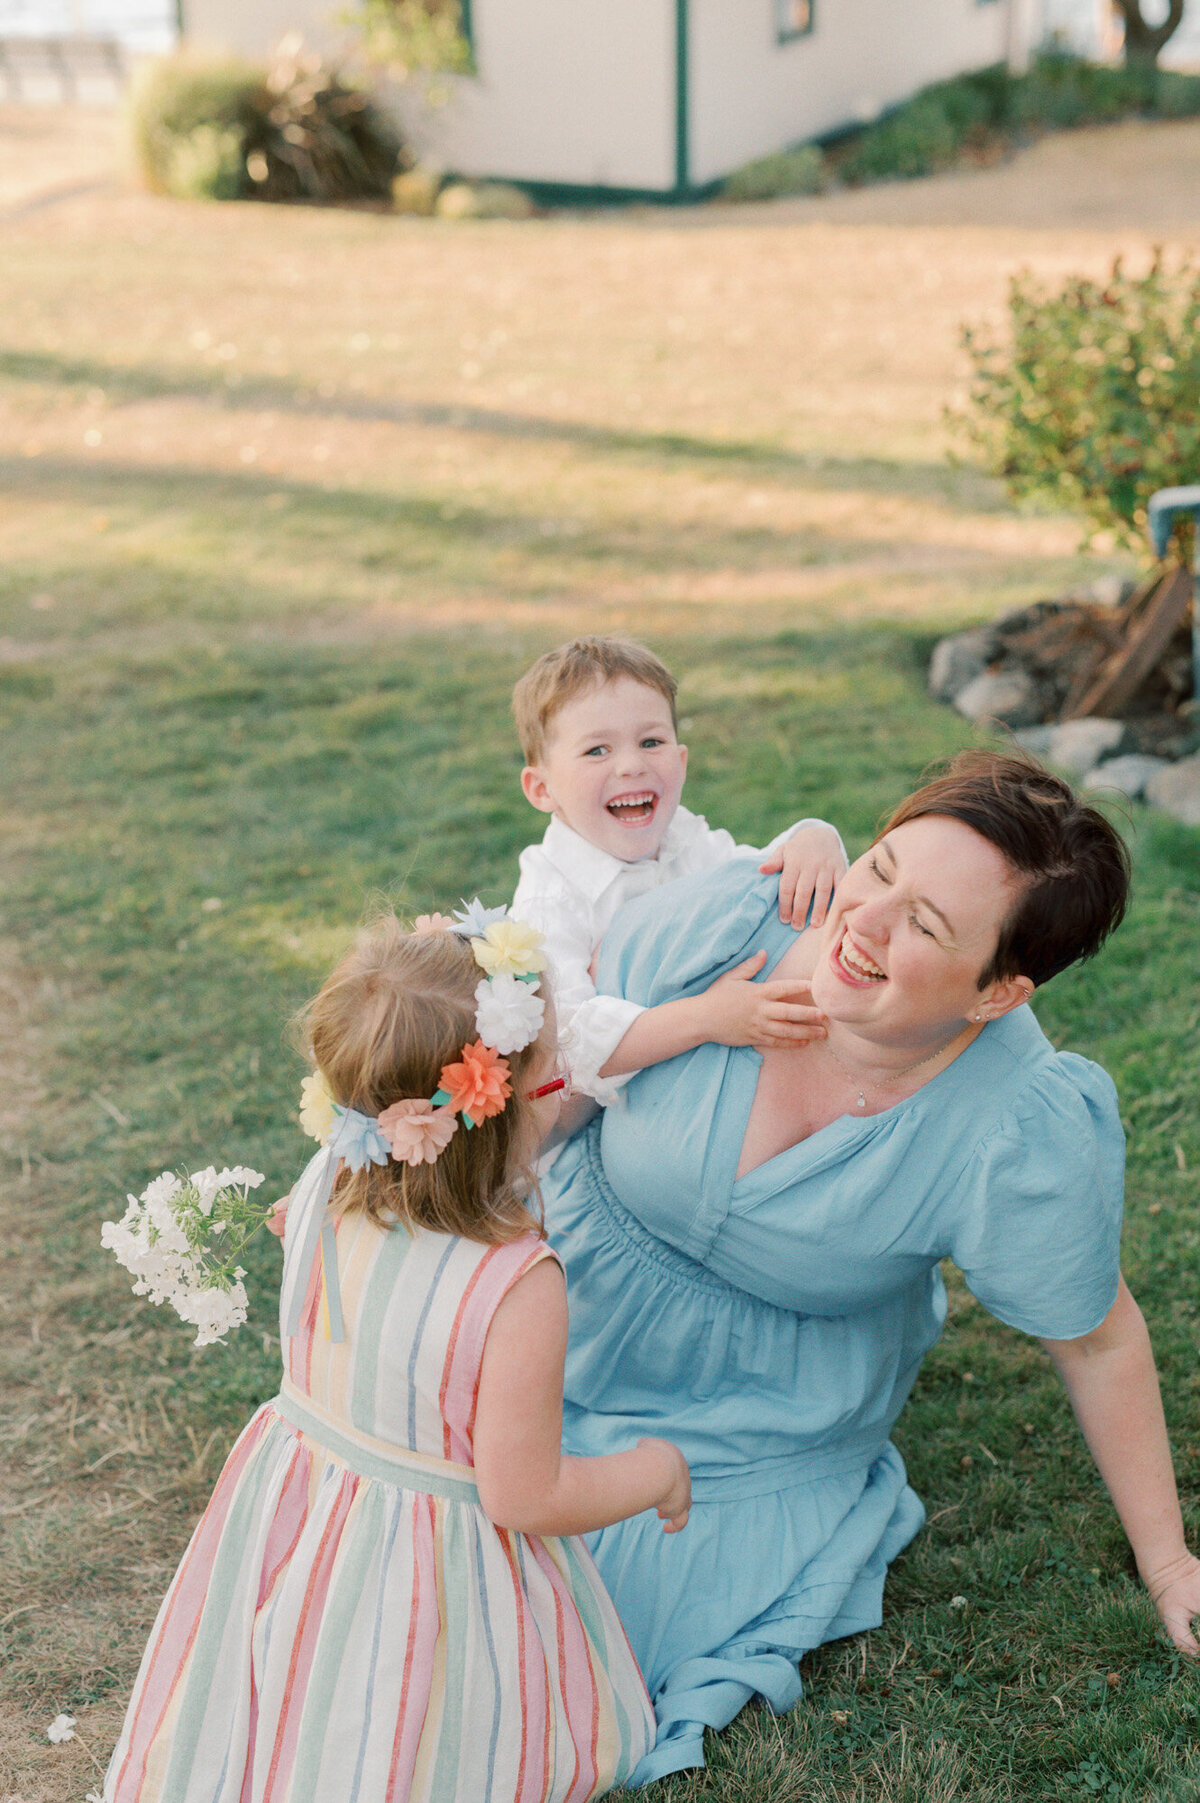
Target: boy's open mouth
(856, 964)
(633, 810)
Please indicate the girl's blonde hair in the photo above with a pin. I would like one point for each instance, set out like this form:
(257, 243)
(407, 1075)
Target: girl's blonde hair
(398, 1007)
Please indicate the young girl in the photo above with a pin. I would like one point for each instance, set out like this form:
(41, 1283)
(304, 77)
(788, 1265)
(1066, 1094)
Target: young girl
(375, 1607)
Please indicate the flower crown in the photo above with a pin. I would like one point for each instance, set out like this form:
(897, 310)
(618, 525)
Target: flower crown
(508, 1017)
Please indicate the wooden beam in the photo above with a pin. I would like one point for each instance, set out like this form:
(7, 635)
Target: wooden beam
(1122, 674)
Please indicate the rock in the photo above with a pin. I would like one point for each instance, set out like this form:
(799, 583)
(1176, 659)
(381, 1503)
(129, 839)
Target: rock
(958, 660)
(1077, 745)
(1035, 739)
(1110, 591)
(1127, 775)
(1176, 790)
(416, 190)
(1102, 591)
(485, 200)
(1006, 695)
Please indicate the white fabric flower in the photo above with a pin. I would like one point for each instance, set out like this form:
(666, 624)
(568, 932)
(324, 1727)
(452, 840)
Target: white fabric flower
(508, 1013)
(61, 1728)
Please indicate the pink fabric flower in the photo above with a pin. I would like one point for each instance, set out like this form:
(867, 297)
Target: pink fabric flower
(433, 923)
(477, 1087)
(416, 1131)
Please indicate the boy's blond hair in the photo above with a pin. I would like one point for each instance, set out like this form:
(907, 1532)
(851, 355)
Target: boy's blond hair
(569, 670)
(398, 1007)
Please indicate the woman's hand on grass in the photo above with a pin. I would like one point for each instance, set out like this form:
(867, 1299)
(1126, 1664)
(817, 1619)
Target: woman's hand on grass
(1175, 1591)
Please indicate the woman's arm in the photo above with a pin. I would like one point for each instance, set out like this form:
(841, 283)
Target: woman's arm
(1113, 1386)
(525, 1480)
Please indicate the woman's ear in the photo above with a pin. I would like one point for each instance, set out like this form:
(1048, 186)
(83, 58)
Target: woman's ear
(536, 790)
(1001, 998)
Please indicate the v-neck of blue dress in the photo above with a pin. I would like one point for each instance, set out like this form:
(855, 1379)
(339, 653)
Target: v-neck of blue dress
(867, 1204)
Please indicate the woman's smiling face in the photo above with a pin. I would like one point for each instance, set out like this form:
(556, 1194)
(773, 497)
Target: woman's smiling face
(915, 921)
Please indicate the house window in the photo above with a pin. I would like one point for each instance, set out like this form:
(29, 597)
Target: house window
(793, 19)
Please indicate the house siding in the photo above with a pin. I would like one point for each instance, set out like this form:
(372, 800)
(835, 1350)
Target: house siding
(567, 91)
(751, 94)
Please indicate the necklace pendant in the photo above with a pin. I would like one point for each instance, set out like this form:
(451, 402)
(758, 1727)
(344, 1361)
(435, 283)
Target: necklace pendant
(862, 1100)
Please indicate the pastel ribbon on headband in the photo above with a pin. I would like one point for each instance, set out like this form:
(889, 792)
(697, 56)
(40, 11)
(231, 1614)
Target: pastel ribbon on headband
(355, 1140)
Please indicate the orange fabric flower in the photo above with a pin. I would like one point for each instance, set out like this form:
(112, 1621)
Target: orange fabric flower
(417, 1131)
(478, 1087)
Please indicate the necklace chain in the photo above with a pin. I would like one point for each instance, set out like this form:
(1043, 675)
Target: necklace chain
(896, 1077)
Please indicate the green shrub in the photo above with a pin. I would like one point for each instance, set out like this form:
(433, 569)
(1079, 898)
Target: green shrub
(799, 171)
(1060, 90)
(914, 140)
(973, 103)
(175, 97)
(412, 37)
(1178, 95)
(934, 128)
(207, 163)
(229, 130)
(1095, 401)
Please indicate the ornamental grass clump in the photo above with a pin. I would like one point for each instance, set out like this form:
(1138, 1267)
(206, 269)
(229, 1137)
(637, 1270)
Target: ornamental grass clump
(1093, 402)
(320, 137)
(228, 130)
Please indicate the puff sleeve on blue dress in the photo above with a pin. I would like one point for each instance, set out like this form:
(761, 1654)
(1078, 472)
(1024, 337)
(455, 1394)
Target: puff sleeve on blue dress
(774, 1325)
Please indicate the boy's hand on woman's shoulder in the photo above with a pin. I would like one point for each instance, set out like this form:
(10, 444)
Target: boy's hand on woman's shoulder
(769, 1016)
(810, 865)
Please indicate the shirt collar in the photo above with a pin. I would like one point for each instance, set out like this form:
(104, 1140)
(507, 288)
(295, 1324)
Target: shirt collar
(583, 863)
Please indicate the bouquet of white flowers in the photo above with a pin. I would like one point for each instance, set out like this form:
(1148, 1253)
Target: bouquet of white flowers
(181, 1240)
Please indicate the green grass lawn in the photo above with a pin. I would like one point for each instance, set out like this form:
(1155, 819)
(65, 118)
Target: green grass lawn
(239, 701)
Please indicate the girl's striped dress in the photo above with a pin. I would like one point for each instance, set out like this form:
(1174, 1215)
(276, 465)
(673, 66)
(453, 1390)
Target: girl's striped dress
(347, 1625)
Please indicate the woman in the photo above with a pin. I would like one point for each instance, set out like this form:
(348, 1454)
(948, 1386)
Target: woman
(752, 1240)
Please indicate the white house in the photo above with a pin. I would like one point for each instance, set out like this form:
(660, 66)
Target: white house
(662, 97)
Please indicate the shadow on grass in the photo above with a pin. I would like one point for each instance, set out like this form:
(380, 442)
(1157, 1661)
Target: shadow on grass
(446, 543)
(964, 487)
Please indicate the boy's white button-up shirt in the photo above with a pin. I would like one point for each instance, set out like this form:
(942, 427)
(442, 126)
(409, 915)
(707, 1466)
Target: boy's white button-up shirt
(570, 890)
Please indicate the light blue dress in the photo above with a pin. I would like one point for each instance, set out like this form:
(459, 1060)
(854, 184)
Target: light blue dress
(773, 1325)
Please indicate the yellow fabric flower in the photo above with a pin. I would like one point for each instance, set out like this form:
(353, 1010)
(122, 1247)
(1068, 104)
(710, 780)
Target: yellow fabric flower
(316, 1108)
(512, 947)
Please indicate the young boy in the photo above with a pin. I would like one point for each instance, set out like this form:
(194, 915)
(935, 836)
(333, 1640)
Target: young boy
(596, 721)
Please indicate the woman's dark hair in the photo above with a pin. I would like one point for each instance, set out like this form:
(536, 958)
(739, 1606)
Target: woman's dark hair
(1071, 863)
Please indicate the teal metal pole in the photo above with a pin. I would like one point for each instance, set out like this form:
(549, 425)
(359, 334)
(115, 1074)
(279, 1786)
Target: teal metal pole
(683, 155)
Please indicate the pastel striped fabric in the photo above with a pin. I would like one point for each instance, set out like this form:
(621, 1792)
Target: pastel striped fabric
(347, 1625)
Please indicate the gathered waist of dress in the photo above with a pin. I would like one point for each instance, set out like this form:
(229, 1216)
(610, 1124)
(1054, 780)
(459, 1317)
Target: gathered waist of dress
(670, 1261)
(855, 1451)
(372, 1458)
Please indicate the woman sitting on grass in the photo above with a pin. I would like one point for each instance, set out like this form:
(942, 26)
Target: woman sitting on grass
(752, 1241)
